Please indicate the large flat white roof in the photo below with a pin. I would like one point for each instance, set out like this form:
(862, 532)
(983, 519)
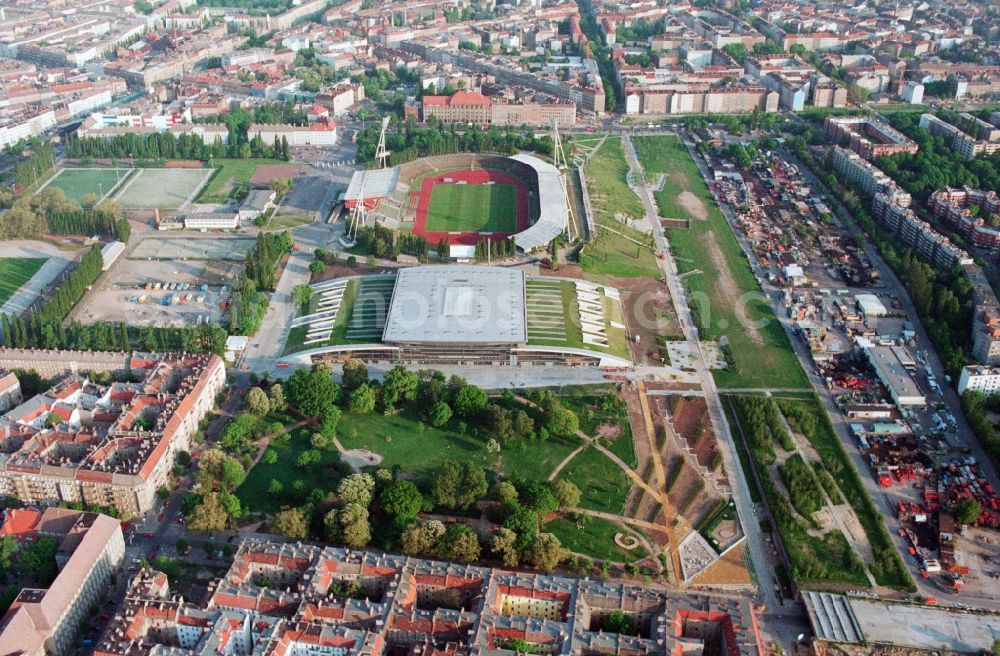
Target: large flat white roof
(452, 304)
(377, 183)
(552, 204)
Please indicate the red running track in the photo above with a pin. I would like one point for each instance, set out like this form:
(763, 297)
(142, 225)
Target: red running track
(474, 176)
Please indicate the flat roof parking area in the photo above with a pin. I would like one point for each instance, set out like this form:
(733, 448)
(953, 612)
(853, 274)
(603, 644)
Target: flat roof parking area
(191, 291)
(162, 188)
(838, 618)
(307, 194)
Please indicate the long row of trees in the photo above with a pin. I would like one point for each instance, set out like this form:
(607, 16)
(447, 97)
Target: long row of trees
(160, 146)
(36, 165)
(105, 220)
(42, 327)
(250, 300)
(412, 142)
(380, 241)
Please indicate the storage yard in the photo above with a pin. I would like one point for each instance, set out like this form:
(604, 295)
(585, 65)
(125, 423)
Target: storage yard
(188, 282)
(863, 347)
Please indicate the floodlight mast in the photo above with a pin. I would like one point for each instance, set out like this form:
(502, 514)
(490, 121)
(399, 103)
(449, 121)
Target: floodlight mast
(559, 157)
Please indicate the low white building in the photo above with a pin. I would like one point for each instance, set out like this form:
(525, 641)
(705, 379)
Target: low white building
(255, 204)
(110, 252)
(212, 221)
(869, 306)
(980, 379)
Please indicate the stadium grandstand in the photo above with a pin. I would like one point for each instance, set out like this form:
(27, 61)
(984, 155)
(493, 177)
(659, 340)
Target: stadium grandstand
(552, 204)
(462, 315)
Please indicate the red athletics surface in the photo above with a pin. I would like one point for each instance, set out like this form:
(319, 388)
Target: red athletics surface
(475, 176)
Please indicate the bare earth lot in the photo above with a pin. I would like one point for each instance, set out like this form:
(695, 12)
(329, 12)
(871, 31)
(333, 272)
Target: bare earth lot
(121, 294)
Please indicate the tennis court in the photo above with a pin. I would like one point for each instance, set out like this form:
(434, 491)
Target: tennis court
(162, 188)
(192, 249)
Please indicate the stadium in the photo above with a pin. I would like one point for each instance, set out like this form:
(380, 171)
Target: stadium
(462, 315)
(466, 198)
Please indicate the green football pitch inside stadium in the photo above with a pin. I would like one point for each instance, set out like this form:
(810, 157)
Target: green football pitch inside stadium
(472, 208)
(14, 272)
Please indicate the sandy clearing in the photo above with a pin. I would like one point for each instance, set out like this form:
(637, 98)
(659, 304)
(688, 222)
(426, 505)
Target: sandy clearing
(693, 205)
(725, 284)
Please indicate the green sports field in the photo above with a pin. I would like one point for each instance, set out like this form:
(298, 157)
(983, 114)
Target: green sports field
(472, 208)
(14, 272)
(77, 183)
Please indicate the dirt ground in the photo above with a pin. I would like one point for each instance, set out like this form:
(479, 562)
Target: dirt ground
(690, 419)
(982, 549)
(267, 172)
(687, 484)
(729, 292)
(648, 314)
(640, 504)
(693, 205)
(728, 570)
(340, 270)
(609, 431)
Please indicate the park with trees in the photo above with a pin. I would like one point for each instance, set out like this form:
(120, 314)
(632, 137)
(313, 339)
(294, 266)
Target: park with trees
(459, 473)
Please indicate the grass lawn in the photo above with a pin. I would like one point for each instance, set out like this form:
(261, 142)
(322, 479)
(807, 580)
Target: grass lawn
(536, 460)
(724, 294)
(322, 475)
(77, 183)
(594, 537)
(227, 173)
(826, 558)
(472, 208)
(603, 484)
(544, 308)
(608, 253)
(281, 222)
(14, 272)
(404, 442)
(591, 416)
(359, 320)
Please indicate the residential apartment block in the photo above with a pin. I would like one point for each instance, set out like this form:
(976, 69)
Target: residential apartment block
(470, 107)
(868, 137)
(107, 445)
(966, 145)
(43, 622)
(289, 599)
(978, 378)
(955, 206)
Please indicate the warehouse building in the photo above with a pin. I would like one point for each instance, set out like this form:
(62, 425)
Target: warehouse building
(893, 366)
